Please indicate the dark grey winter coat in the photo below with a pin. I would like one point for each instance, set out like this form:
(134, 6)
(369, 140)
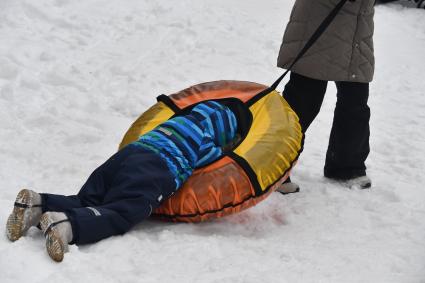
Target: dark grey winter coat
(343, 53)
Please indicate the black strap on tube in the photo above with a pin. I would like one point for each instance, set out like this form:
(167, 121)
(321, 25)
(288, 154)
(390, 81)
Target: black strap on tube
(319, 31)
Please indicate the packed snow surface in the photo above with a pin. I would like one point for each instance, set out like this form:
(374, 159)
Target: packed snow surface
(75, 74)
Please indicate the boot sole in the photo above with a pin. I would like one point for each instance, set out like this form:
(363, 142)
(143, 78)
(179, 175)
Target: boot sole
(54, 245)
(15, 222)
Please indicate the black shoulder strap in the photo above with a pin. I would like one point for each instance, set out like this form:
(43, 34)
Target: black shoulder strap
(319, 31)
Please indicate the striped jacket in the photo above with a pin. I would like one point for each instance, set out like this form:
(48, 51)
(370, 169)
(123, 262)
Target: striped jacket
(189, 141)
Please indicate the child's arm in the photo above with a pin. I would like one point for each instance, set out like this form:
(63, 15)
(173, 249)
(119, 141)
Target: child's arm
(209, 151)
(228, 147)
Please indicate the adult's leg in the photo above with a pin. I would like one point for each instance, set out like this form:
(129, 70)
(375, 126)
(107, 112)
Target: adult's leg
(349, 140)
(142, 181)
(305, 96)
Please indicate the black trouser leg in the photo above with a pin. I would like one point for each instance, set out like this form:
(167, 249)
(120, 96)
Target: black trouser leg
(349, 140)
(305, 96)
(119, 194)
(141, 181)
(93, 190)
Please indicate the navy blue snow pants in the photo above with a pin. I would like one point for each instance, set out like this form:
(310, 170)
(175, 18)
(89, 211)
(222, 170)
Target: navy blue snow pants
(119, 194)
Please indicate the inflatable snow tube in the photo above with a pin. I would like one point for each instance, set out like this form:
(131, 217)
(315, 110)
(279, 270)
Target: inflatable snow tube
(270, 145)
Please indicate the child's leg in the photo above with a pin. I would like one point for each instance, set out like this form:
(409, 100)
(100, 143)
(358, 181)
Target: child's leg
(93, 191)
(141, 182)
(30, 205)
(53, 202)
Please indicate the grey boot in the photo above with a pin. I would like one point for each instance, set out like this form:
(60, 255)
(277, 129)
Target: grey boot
(58, 232)
(288, 187)
(362, 182)
(26, 213)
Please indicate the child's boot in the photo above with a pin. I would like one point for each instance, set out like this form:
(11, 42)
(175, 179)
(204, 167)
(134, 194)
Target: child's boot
(26, 213)
(58, 232)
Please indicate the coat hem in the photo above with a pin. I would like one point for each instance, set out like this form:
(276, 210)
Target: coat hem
(324, 78)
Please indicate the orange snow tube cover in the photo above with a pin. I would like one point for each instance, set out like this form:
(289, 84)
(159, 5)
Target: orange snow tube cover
(270, 145)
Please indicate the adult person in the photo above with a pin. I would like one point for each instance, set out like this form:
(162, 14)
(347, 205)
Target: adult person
(343, 54)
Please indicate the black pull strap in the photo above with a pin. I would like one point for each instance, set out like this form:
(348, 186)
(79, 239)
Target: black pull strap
(24, 205)
(319, 31)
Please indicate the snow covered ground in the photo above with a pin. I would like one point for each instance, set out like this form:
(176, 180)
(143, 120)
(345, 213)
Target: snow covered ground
(75, 74)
